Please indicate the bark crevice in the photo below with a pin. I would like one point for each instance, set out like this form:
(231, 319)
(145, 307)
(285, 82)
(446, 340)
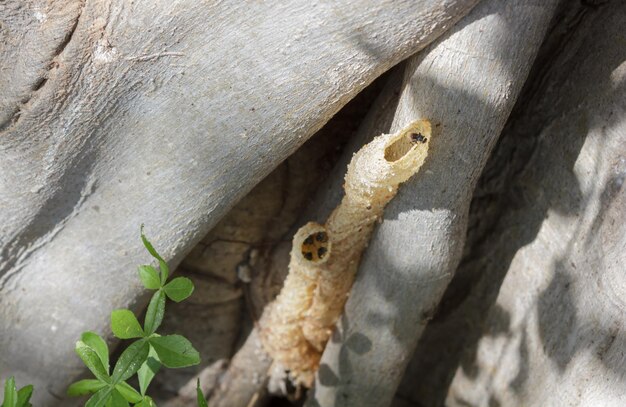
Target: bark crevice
(13, 119)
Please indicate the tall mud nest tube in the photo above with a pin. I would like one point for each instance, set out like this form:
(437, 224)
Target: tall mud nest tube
(324, 258)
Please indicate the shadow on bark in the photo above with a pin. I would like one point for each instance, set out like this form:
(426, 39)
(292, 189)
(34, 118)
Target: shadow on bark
(509, 206)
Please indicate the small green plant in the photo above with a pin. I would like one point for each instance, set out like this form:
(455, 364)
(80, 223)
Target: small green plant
(145, 355)
(200, 396)
(21, 398)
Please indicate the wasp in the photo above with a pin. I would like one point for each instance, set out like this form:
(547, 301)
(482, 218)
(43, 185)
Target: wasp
(417, 138)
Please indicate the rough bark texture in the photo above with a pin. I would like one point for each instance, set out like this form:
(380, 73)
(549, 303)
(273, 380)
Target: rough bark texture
(535, 314)
(466, 84)
(164, 113)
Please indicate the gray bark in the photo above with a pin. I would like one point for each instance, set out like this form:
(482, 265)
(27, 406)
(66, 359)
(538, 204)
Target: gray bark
(535, 313)
(466, 84)
(160, 113)
(114, 114)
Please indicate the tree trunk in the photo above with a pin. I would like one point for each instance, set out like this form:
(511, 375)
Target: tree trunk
(414, 252)
(535, 313)
(114, 114)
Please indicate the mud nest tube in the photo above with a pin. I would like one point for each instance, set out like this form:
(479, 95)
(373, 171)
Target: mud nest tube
(296, 326)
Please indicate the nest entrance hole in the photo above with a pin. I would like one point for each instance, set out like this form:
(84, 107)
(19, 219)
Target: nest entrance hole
(315, 246)
(401, 147)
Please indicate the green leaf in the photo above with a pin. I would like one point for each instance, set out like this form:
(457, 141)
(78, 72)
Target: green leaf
(178, 289)
(146, 402)
(128, 392)
(175, 351)
(149, 246)
(162, 264)
(154, 314)
(147, 371)
(130, 360)
(149, 277)
(87, 386)
(117, 400)
(200, 396)
(125, 325)
(165, 271)
(10, 393)
(101, 397)
(91, 359)
(95, 342)
(23, 396)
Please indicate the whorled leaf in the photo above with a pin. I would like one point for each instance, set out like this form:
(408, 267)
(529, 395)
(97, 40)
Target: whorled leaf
(149, 277)
(130, 360)
(101, 397)
(95, 342)
(154, 313)
(162, 264)
(179, 289)
(175, 351)
(10, 393)
(148, 370)
(128, 392)
(86, 386)
(23, 396)
(125, 325)
(92, 360)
